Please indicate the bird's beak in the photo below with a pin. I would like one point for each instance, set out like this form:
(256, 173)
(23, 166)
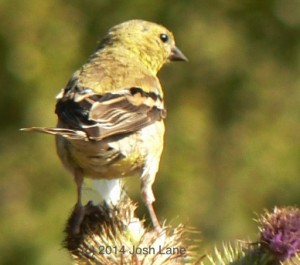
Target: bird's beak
(177, 55)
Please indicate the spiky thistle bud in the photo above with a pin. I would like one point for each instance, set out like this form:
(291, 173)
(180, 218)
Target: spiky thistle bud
(113, 235)
(279, 242)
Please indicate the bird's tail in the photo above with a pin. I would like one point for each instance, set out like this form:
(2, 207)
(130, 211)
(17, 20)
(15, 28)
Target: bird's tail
(99, 190)
(67, 133)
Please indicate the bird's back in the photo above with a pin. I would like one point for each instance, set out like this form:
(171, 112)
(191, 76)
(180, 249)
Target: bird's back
(123, 153)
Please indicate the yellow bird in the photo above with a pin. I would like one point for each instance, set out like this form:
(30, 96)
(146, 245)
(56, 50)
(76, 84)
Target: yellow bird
(111, 112)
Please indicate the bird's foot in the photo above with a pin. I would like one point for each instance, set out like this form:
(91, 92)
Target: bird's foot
(78, 216)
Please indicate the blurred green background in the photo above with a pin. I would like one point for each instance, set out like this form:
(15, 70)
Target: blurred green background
(233, 127)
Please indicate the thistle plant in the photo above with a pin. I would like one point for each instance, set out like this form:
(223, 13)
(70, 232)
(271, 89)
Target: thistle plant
(280, 233)
(112, 235)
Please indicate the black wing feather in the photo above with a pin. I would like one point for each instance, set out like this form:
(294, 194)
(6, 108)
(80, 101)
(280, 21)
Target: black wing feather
(102, 116)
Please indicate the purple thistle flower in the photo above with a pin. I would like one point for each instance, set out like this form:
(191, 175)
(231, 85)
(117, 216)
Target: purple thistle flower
(280, 232)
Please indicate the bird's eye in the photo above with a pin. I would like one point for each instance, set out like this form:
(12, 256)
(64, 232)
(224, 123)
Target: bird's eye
(164, 37)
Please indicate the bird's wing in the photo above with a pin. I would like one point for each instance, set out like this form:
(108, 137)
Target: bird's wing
(110, 114)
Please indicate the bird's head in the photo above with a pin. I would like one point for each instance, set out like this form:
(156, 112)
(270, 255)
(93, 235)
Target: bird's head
(152, 44)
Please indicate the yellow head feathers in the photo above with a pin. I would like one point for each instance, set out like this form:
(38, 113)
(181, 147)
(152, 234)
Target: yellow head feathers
(152, 44)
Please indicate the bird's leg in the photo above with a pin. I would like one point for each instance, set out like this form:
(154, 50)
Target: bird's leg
(153, 217)
(79, 181)
(79, 209)
(148, 198)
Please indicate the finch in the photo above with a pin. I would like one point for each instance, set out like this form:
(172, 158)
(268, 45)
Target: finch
(111, 112)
